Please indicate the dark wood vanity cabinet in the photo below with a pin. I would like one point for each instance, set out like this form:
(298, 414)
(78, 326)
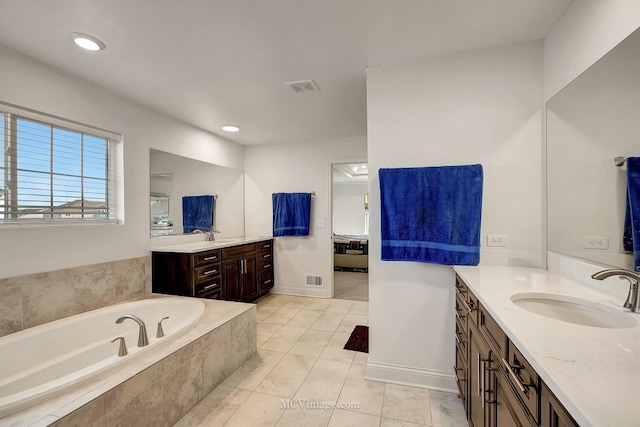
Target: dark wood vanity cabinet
(498, 386)
(186, 274)
(235, 273)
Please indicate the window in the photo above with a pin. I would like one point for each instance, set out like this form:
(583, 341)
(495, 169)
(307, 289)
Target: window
(53, 171)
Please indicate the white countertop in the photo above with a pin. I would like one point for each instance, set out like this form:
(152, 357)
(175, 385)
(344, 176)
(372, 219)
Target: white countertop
(195, 247)
(594, 372)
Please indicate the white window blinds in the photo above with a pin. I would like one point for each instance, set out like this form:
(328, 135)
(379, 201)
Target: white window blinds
(55, 172)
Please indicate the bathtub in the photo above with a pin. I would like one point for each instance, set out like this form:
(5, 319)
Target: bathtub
(45, 361)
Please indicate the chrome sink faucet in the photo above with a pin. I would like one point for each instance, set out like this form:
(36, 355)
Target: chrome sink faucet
(633, 298)
(210, 235)
(143, 338)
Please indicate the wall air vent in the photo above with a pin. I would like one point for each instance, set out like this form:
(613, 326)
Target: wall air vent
(303, 86)
(314, 280)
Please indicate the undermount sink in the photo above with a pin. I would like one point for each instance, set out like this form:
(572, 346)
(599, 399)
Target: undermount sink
(573, 310)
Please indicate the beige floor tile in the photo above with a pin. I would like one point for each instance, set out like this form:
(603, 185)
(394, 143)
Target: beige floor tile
(264, 311)
(350, 321)
(368, 395)
(216, 408)
(388, 422)
(259, 410)
(319, 304)
(285, 379)
(361, 358)
(278, 300)
(266, 331)
(299, 415)
(299, 302)
(254, 370)
(407, 404)
(284, 339)
(340, 305)
(282, 316)
(328, 321)
(304, 318)
(343, 418)
(312, 343)
(335, 349)
(359, 307)
(324, 382)
(446, 409)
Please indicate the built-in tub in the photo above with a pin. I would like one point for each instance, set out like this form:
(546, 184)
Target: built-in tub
(48, 360)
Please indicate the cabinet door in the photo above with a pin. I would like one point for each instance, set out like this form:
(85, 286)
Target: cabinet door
(507, 410)
(553, 413)
(479, 356)
(249, 278)
(231, 279)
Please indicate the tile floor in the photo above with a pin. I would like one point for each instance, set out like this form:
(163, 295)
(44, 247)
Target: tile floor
(301, 366)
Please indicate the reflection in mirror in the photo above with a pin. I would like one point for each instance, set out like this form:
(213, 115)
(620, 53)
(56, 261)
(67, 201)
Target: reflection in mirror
(173, 177)
(589, 123)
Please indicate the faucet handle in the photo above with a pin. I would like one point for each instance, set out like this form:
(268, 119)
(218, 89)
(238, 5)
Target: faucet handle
(122, 351)
(160, 331)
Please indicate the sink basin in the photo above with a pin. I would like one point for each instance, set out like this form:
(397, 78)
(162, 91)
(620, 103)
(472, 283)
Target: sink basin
(573, 310)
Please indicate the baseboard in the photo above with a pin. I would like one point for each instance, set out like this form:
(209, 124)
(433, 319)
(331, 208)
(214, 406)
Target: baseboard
(414, 377)
(304, 291)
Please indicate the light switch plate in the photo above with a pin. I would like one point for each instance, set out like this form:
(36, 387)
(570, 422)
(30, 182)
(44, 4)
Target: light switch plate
(320, 223)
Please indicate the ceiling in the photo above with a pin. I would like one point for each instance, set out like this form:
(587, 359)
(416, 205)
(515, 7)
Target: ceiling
(215, 62)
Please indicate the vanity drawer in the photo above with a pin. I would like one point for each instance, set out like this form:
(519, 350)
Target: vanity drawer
(461, 288)
(461, 337)
(264, 258)
(237, 250)
(492, 331)
(205, 258)
(267, 245)
(461, 313)
(209, 288)
(206, 272)
(523, 378)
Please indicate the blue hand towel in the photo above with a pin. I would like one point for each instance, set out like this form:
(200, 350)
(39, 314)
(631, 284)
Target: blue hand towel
(197, 213)
(291, 214)
(431, 214)
(631, 238)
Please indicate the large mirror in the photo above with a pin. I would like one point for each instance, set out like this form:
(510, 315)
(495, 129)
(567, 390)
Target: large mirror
(592, 121)
(173, 177)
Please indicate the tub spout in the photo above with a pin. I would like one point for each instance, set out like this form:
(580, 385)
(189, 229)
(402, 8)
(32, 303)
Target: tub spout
(143, 339)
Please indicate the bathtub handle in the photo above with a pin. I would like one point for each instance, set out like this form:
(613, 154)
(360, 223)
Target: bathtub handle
(160, 331)
(122, 351)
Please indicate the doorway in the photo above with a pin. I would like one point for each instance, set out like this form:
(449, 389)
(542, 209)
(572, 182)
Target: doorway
(350, 231)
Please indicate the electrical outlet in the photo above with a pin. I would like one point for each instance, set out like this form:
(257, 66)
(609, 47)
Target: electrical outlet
(497, 241)
(596, 242)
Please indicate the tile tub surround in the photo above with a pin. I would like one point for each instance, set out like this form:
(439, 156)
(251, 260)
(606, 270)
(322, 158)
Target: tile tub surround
(34, 299)
(594, 372)
(291, 368)
(162, 386)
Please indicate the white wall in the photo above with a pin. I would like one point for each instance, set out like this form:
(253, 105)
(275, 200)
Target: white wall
(30, 84)
(348, 207)
(302, 167)
(474, 107)
(586, 31)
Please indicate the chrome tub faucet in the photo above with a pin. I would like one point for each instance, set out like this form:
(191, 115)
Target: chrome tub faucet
(143, 338)
(633, 298)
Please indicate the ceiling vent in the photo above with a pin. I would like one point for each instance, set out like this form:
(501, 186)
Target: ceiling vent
(303, 86)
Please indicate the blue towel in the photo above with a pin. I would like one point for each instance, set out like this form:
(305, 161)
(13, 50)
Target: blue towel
(431, 214)
(197, 213)
(631, 238)
(291, 214)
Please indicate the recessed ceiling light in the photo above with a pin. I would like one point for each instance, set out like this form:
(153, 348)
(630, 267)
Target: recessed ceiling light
(87, 42)
(230, 128)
